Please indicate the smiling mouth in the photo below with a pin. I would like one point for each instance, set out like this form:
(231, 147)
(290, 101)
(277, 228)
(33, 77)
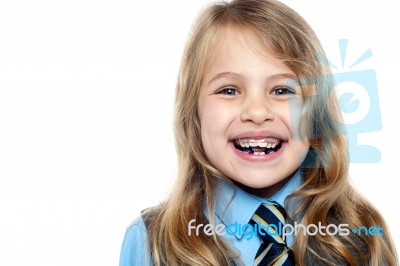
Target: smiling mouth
(259, 146)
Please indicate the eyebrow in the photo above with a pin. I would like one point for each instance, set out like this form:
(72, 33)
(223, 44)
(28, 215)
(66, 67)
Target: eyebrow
(274, 77)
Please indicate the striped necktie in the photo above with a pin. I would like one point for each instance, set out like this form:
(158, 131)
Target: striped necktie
(273, 249)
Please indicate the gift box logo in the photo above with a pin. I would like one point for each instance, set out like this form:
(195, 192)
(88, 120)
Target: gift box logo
(357, 93)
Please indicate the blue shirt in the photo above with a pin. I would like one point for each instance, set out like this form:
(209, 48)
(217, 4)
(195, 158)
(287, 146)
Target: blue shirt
(228, 211)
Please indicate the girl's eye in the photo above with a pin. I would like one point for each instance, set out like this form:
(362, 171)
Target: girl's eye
(282, 91)
(228, 91)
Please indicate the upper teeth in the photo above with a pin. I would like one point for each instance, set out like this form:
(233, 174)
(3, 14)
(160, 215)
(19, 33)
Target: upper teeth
(264, 143)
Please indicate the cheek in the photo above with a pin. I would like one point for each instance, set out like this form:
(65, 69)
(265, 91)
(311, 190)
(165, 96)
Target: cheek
(297, 129)
(292, 118)
(298, 152)
(214, 115)
(215, 119)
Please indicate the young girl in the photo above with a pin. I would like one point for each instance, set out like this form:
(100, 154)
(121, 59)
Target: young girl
(257, 129)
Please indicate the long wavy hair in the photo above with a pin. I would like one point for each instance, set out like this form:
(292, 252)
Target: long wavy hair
(325, 195)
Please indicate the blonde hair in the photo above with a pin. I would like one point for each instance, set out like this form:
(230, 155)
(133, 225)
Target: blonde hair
(325, 195)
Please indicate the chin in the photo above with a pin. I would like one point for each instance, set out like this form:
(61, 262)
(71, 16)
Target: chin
(262, 185)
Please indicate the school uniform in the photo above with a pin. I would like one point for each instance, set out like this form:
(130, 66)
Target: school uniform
(234, 207)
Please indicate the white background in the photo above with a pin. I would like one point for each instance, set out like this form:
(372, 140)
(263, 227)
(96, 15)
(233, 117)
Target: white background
(86, 93)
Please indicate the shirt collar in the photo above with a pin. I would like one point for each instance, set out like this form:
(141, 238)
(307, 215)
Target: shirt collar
(230, 197)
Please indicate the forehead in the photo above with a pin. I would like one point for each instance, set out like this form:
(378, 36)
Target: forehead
(236, 48)
(246, 36)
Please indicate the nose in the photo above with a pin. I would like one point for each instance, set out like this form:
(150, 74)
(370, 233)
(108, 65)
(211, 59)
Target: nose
(257, 110)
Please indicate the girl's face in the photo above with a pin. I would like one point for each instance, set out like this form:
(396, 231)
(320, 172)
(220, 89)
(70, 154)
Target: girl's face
(249, 109)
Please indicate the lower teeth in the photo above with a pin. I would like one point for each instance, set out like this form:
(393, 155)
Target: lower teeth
(250, 150)
(262, 153)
